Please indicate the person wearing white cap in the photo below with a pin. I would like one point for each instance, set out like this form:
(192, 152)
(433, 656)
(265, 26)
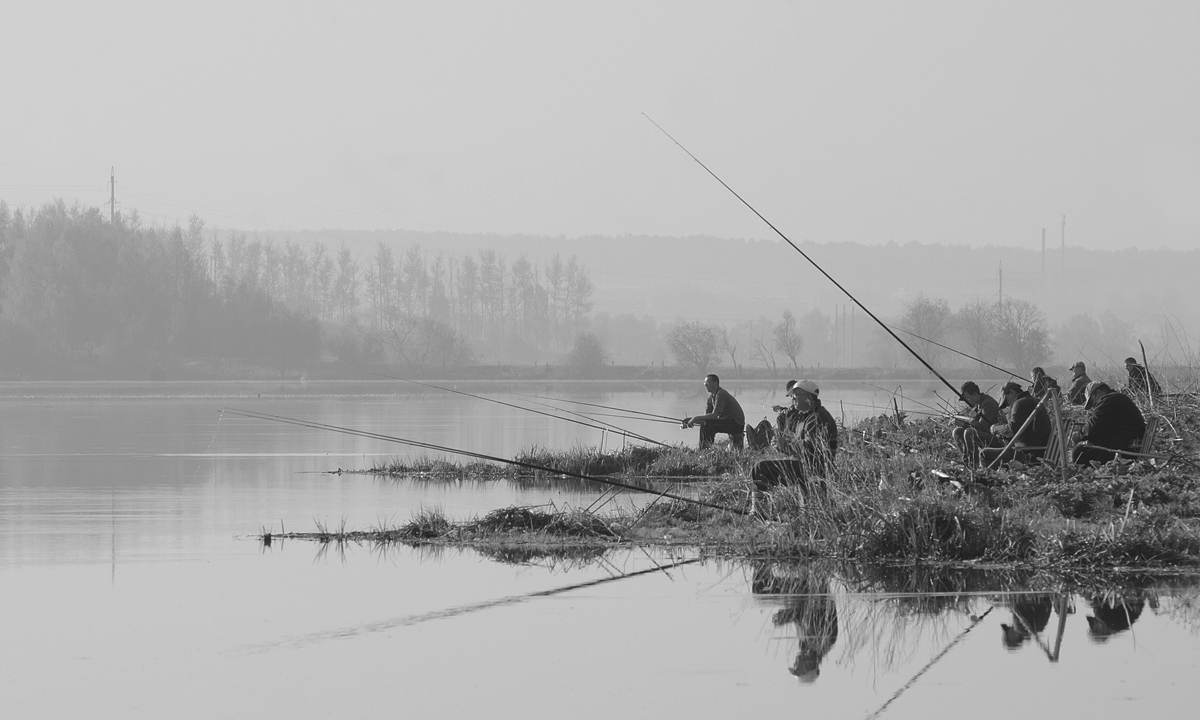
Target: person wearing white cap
(808, 434)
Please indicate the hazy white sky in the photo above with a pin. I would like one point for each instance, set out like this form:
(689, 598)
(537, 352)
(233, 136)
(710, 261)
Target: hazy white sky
(951, 122)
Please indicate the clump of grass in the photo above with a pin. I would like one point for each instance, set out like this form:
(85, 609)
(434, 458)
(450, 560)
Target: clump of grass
(426, 524)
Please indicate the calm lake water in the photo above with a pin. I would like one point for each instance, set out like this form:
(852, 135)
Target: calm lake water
(133, 586)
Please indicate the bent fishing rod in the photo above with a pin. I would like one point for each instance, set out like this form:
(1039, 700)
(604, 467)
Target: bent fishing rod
(466, 453)
(960, 352)
(812, 262)
(610, 428)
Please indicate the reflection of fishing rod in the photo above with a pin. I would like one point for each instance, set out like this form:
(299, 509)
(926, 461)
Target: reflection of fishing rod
(466, 453)
(407, 620)
(960, 352)
(810, 260)
(930, 664)
(594, 426)
(603, 407)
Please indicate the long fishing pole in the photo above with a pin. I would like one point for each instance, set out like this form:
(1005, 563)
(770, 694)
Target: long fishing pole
(960, 352)
(467, 453)
(594, 426)
(593, 415)
(809, 259)
(603, 407)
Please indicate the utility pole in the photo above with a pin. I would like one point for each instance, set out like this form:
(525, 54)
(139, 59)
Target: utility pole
(112, 195)
(1000, 291)
(1043, 259)
(1064, 245)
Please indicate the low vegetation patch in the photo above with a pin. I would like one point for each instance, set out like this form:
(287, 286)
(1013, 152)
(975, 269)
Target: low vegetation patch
(898, 494)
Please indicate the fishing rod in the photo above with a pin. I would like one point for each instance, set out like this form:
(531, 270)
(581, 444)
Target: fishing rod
(591, 415)
(466, 453)
(603, 407)
(809, 259)
(610, 427)
(904, 397)
(960, 352)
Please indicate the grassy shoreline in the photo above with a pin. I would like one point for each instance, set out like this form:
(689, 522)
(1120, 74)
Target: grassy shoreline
(898, 495)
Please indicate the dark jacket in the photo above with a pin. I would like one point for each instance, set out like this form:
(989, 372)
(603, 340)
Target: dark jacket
(1042, 384)
(813, 435)
(987, 414)
(1038, 431)
(1140, 380)
(725, 406)
(1076, 393)
(1115, 423)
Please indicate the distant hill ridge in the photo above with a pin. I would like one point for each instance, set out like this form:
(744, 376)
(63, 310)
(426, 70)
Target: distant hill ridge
(725, 280)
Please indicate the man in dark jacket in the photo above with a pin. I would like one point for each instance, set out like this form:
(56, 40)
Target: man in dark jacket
(1021, 406)
(1115, 423)
(722, 414)
(1140, 379)
(973, 429)
(808, 433)
(1079, 382)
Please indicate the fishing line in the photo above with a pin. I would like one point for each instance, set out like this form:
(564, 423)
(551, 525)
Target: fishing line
(809, 259)
(466, 453)
(960, 352)
(604, 407)
(609, 427)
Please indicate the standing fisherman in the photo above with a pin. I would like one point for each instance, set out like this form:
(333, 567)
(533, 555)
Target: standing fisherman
(722, 414)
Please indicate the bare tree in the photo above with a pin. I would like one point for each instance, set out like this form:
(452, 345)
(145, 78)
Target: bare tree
(763, 353)
(1021, 334)
(788, 339)
(694, 344)
(977, 320)
(729, 343)
(927, 318)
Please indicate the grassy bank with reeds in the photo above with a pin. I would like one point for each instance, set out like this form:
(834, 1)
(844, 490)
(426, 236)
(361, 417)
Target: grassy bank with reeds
(899, 494)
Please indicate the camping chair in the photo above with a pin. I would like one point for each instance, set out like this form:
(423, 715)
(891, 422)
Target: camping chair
(1144, 448)
(1057, 450)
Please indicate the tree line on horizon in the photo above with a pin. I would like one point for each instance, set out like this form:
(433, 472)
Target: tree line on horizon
(76, 286)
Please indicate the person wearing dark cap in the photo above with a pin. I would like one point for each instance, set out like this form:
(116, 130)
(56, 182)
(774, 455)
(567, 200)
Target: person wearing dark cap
(722, 414)
(1079, 382)
(1021, 406)
(973, 429)
(1041, 383)
(809, 435)
(1140, 379)
(1115, 423)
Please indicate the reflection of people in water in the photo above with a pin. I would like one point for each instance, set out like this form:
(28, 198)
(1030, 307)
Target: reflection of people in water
(1030, 614)
(808, 605)
(1111, 615)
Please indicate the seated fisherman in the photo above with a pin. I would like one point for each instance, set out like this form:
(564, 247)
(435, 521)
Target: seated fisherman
(1140, 379)
(1115, 423)
(1021, 406)
(1079, 382)
(1041, 382)
(809, 435)
(974, 428)
(722, 414)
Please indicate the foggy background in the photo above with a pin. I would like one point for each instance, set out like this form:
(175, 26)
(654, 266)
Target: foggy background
(919, 152)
